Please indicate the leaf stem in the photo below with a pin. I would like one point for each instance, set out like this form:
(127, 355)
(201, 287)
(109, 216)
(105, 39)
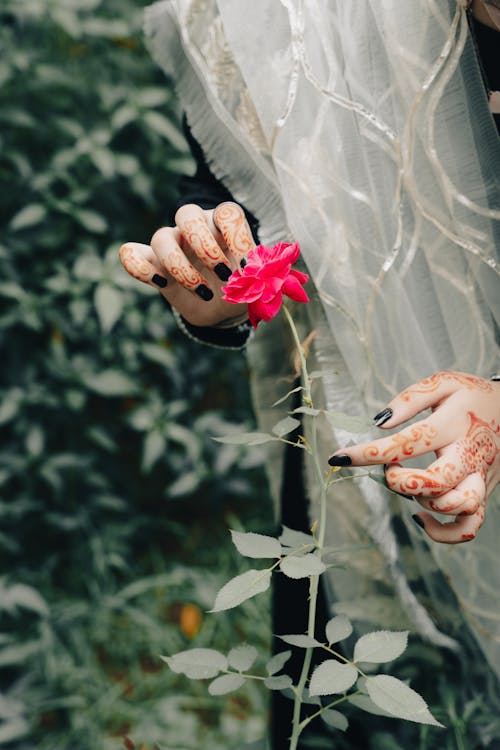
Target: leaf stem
(305, 722)
(314, 580)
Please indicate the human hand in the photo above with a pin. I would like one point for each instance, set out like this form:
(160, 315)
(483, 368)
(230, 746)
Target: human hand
(464, 433)
(190, 262)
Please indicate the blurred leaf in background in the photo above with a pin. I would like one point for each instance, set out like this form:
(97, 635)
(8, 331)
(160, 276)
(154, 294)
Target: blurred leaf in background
(114, 502)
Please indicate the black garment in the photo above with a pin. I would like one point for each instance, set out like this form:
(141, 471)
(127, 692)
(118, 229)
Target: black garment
(487, 44)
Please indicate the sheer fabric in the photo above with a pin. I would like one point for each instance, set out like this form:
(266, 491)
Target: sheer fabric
(362, 131)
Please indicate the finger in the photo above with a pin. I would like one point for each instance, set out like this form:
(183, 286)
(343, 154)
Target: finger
(140, 262)
(431, 434)
(171, 257)
(426, 394)
(463, 529)
(231, 221)
(463, 500)
(191, 221)
(441, 476)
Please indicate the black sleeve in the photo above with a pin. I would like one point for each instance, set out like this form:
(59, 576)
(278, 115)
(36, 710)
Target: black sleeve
(487, 43)
(203, 188)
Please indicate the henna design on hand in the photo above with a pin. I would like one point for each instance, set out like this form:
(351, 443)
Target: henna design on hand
(403, 444)
(230, 219)
(199, 237)
(477, 452)
(428, 385)
(135, 264)
(182, 271)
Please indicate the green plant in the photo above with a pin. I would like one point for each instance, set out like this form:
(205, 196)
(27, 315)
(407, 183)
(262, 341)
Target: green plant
(108, 481)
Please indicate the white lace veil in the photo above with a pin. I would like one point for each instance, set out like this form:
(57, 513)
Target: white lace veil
(361, 129)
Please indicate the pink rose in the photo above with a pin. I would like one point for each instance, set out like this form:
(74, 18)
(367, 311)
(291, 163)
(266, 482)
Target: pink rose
(267, 276)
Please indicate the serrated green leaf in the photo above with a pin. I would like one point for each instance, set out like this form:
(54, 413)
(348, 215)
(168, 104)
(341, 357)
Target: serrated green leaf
(226, 683)
(242, 657)
(334, 719)
(366, 704)
(28, 216)
(241, 588)
(256, 545)
(302, 566)
(282, 682)
(308, 410)
(338, 628)
(284, 398)
(109, 305)
(332, 677)
(284, 426)
(295, 539)
(246, 438)
(381, 646)
(398, 699)
(300, 640)
(277, 662)
(197, 663)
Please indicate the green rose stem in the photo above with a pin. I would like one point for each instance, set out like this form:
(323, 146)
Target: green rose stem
(314, 580)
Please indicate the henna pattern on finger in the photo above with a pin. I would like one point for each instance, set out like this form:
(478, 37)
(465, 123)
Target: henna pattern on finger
(200, 238)
(403, 444)
(182, 270)
(230, 219)
(478, 451)
(466, 496)
(135, 264)
(428, 385)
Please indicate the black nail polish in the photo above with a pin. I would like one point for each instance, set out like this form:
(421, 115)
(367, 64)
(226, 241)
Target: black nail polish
(223, 271)
(418, 521)
(243, 262)
(382, 417)
(340, 460)
(159, 281)
(204, 292)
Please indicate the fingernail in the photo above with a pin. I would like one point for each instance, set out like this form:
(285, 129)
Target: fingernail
(243, 262)
(418, 521)
(204, 292)
(340, 460)
(159, 281)
(223, 271)
(382, 417)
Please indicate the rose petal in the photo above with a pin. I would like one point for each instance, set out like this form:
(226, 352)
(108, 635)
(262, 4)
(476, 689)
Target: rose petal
(243, 289)
(267, 310)
(288, 251)
(302, 277)
(272, 287)
(293, 289)
(278, 268)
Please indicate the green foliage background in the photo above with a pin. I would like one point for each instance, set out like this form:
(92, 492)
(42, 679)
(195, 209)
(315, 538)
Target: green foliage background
(114, 501)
